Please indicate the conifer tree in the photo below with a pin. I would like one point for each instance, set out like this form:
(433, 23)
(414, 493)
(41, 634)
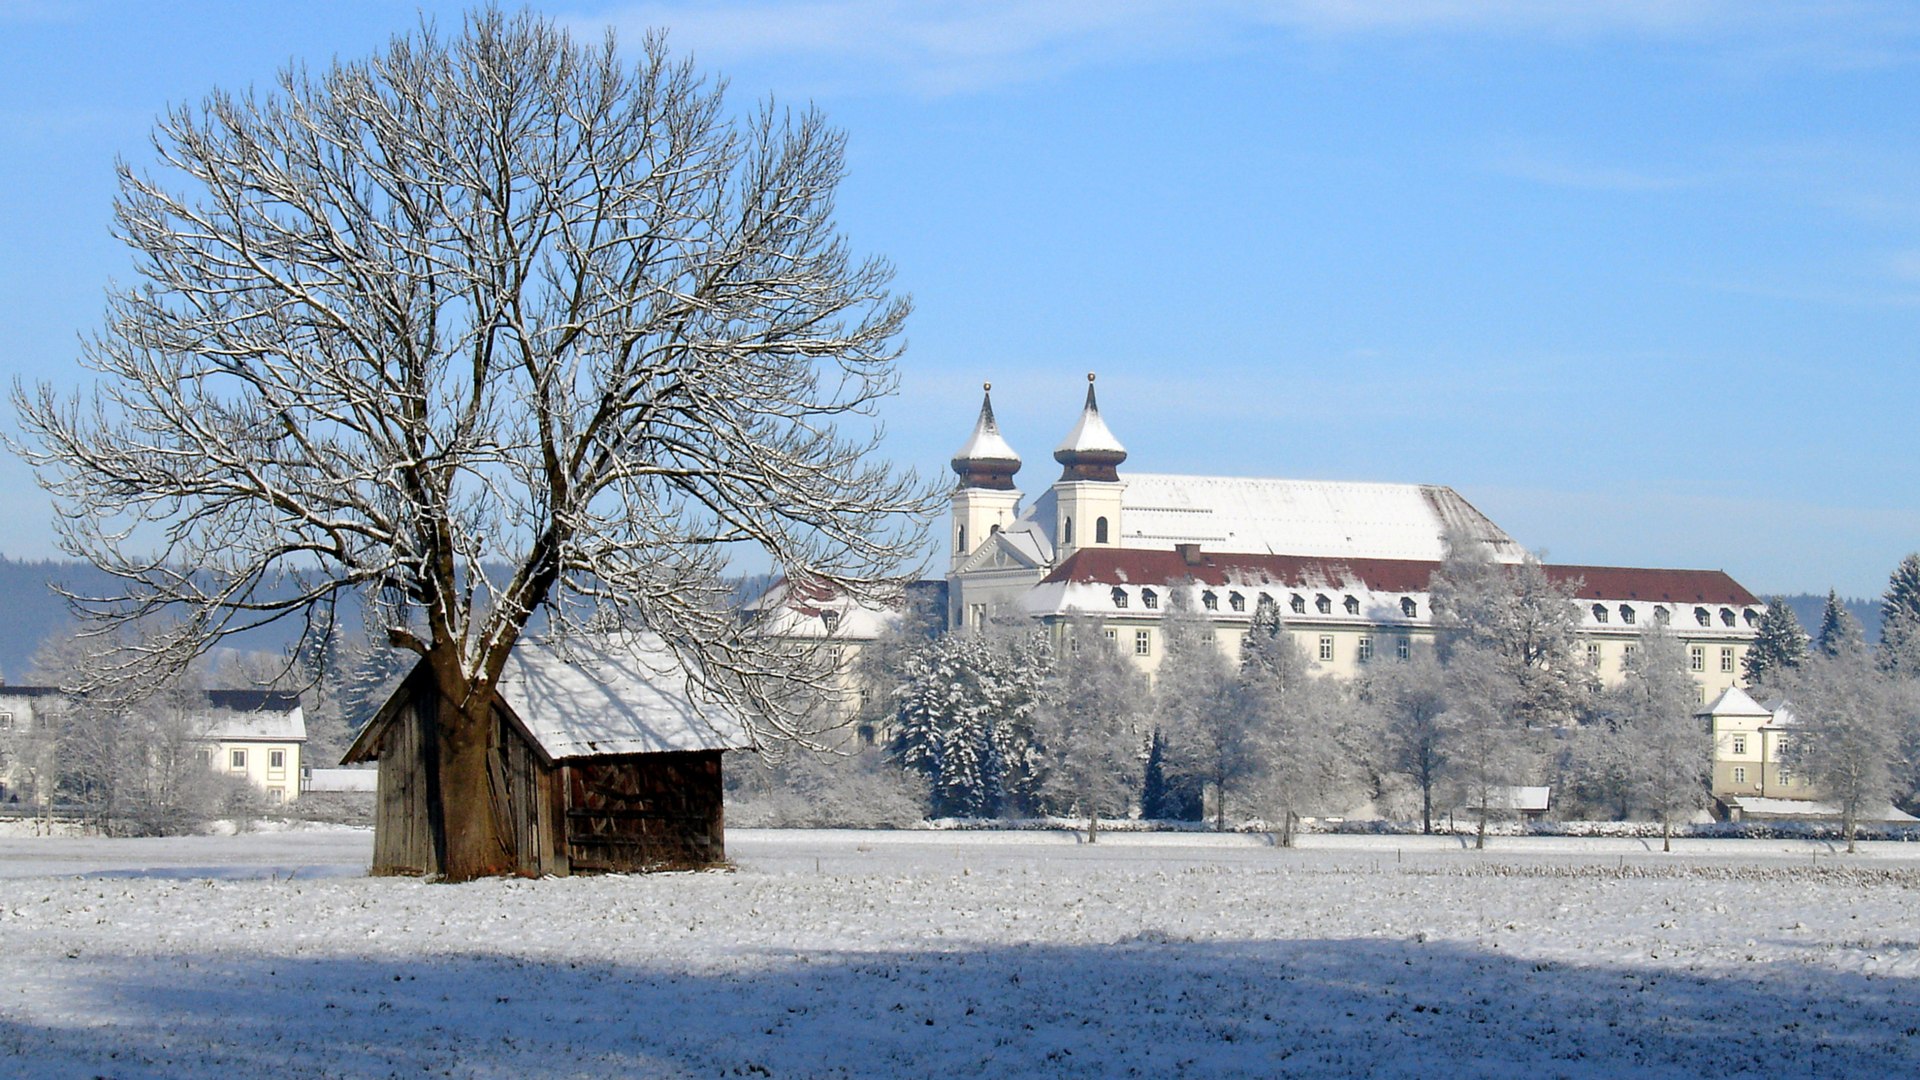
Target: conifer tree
(1839, 630)
(1779, 645)
(1900, 619)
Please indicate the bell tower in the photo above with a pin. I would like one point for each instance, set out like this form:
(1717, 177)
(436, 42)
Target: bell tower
(1087, 495)
(985, 500)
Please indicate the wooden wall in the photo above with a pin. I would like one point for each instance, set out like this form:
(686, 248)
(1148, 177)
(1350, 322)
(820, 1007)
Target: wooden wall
(644, 812)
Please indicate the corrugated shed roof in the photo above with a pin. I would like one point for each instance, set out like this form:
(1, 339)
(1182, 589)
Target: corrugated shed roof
(625, 696)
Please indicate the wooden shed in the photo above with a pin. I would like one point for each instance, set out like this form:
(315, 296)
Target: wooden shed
(603, 763)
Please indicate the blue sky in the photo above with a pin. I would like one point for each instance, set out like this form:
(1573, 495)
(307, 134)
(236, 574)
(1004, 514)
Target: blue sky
(1641, 280)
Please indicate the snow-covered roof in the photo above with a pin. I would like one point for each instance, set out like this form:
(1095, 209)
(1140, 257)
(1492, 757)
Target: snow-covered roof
(1753, 806)
(1734, 701)
(1090, 434)
(253, 716)
(986, 443)
(1521, 798)
(617, 696)
(789, 612)
(1327, 518)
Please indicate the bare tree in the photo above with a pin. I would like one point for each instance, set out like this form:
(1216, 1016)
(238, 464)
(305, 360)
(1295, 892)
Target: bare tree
(1213, 738)
(1520, 616)
(1667, 752)
(1482, 746)
(491, 326)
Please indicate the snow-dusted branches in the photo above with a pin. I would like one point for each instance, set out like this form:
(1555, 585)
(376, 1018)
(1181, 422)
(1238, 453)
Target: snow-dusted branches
(490, 324)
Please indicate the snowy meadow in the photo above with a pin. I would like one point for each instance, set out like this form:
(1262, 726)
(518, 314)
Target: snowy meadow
(973, 954)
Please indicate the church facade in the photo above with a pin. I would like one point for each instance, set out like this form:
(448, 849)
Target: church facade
(1348, 564)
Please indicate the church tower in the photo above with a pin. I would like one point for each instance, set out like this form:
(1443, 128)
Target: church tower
(1087, 495)
(985, 501)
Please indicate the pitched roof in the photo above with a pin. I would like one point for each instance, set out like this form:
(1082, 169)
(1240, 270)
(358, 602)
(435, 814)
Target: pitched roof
(1120, 566)
(1733, 701)
(605, 697)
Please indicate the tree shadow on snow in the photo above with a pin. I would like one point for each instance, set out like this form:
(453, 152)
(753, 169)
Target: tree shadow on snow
(1146, 1006)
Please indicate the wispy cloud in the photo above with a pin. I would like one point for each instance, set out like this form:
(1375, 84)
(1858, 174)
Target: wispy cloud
(947, 46)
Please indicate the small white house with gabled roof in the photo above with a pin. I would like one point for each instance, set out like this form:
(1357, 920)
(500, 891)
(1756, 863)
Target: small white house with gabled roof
(607, 761)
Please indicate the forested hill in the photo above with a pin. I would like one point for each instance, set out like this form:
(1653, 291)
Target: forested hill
(1809, 607)
(33, 609)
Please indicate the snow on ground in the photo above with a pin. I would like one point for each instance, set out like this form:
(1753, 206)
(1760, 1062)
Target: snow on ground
(968, 954)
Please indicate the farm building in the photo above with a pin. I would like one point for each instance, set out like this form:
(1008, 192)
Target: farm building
(604, 762)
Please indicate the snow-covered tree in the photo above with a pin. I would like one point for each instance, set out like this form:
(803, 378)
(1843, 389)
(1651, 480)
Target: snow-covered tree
(1294, 720)
(965, 721)
(1087, 727)
(491, 327)
(1840, 632)
(1409, 698)
(1196, 728)
(1900, 619)
(1666, 751)
(1483, 747)
(1520, 616)
(1779, 645)
(1850, 718)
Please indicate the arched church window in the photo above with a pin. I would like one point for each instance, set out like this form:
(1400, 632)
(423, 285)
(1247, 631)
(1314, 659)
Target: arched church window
(962, 543)
(1099, 530)
(1066, 531)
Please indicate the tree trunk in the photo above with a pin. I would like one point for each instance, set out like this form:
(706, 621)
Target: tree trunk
(1093, 825)
(1480, 834)
(1426, 808)
(1666, 832)
(1851, 825)
(475, 843)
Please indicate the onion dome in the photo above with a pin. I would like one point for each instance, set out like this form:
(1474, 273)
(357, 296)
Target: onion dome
(1090, 451)
(986, 461)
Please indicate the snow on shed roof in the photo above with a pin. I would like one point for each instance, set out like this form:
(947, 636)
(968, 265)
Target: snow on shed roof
(625, 696)
(1327, 518)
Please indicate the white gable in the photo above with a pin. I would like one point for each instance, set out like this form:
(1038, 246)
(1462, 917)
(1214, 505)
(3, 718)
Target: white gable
(615, 697)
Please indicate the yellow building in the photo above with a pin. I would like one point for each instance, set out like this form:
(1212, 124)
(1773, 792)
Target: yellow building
(257, 736)
(1348, 564)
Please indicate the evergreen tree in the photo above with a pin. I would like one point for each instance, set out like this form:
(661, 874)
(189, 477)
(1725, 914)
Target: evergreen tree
(964, 722)
(1900, 620)
(1158, 801)
(1779, 645)
(1839, 631)
(1292, 720)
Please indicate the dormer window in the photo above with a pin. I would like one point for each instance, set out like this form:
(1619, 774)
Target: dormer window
(1702, 616)
(1322, 605)
(1149, 599)
(1408, 608)
(1352, 605)
(1599, 613)
(1661, 615)
(1236, 601)
(830, 620)
(1726, 616)
(1298, 603)
(1210, 600)
(1626, 614)
(1750, 615)
(1119, 597)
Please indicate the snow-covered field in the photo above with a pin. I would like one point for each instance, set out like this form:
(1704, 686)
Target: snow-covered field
(968, 954)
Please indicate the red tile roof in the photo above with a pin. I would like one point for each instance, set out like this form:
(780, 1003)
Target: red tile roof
(1142, 566)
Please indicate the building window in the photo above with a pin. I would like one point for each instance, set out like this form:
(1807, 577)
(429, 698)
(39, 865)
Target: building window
(1113, 635)
(1786, 778)
(1739, 744)
(1626, 614)
(1696, 658)
(1353, 605)
(962, 542)
(1236, 602)
(276, 795)
(1149, 599)
(1661, 615)
(1066, 532)
(1702, 616)
(830, 620)
(1726, 660)
(1298, 603)
(1210, 600)
(1726, 616)
(1408, 608)
(1099, 530)
(6, 721)
(1206, 637)
(1366, 649)
(1627, 652)
(1119, 597)
(1403, 648)
(1599, 613)
(1739, 775)
(237, 759)
(1593, 654)
(1750, 615)
(1326, 646)
(276, 759)
(1143, 643)
(1322, 605)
